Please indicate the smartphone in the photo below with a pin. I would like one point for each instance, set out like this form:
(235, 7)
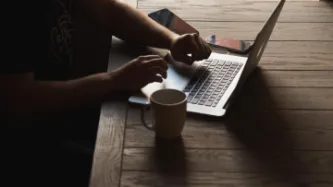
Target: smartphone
(171, 21)
(232, 45)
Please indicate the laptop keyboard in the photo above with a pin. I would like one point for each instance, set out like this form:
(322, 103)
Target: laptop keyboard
(211, 81)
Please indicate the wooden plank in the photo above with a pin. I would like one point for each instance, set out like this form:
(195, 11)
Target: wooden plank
(241, 10)
(282, 31)
(109, 145)
(256, 94)
(299, 79)
(297, 55)
(291, 98)
(221, 134)
(294, 55)
(290, 120)
(195, 179)
(110, 135)
(176, 157)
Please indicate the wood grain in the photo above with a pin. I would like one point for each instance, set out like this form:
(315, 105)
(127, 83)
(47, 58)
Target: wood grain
(109, 142)
(292, 120)
(299, 79)
(109, 145)
(241, 10)
(282, 31)
(220, 135)
(228, 160)
(297, 55)
(211, 179)
(293, 98)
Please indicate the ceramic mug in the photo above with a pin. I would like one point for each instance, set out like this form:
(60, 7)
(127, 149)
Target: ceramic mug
(168, 113)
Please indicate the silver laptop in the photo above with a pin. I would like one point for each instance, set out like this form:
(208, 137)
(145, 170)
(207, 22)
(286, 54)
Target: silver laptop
(209, 84)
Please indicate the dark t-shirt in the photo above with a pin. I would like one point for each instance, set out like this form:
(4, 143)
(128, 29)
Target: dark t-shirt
(35, 37)
(38, 38)
(60, 30)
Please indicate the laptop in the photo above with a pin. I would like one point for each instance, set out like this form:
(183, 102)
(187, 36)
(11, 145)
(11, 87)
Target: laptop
(209, 84)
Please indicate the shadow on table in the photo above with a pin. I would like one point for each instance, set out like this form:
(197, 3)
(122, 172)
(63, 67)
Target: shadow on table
(169, 158)
(255, 122)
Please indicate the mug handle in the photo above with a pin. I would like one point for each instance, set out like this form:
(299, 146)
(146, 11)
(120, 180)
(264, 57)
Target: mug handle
(143, 118)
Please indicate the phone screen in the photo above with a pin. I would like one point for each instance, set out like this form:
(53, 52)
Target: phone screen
(168, 19)
(228, 43)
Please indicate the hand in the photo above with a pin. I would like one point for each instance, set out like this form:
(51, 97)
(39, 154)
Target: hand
(190, 44)
(139, 72)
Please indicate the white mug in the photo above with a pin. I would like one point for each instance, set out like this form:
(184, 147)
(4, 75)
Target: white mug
(169, 113)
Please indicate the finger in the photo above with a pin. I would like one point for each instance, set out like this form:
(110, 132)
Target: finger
(157, 79)
(207, 50)
(203, 51)
(192, 46)
(160, 62)
(184, 58)
(157, 70)
(148, 57)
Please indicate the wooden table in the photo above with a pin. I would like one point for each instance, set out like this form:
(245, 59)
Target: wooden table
(279, 132)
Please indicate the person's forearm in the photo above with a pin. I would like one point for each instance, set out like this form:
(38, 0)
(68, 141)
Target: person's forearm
(45, 98)
(132, 25)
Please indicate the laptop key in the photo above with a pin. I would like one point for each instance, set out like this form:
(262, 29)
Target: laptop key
(205, 97)
(221, 62)
(214, 62)
(199, 95)
(189, 98)
(213, 97)
(209, 103)
(202, 102)
(195, 100)
(187, 89)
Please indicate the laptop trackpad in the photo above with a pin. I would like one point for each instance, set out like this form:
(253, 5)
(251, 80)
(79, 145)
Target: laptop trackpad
(174, 80)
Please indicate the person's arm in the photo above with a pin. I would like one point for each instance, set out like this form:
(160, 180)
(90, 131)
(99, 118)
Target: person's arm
(134, 26)
(130, 24)
(23, 97)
